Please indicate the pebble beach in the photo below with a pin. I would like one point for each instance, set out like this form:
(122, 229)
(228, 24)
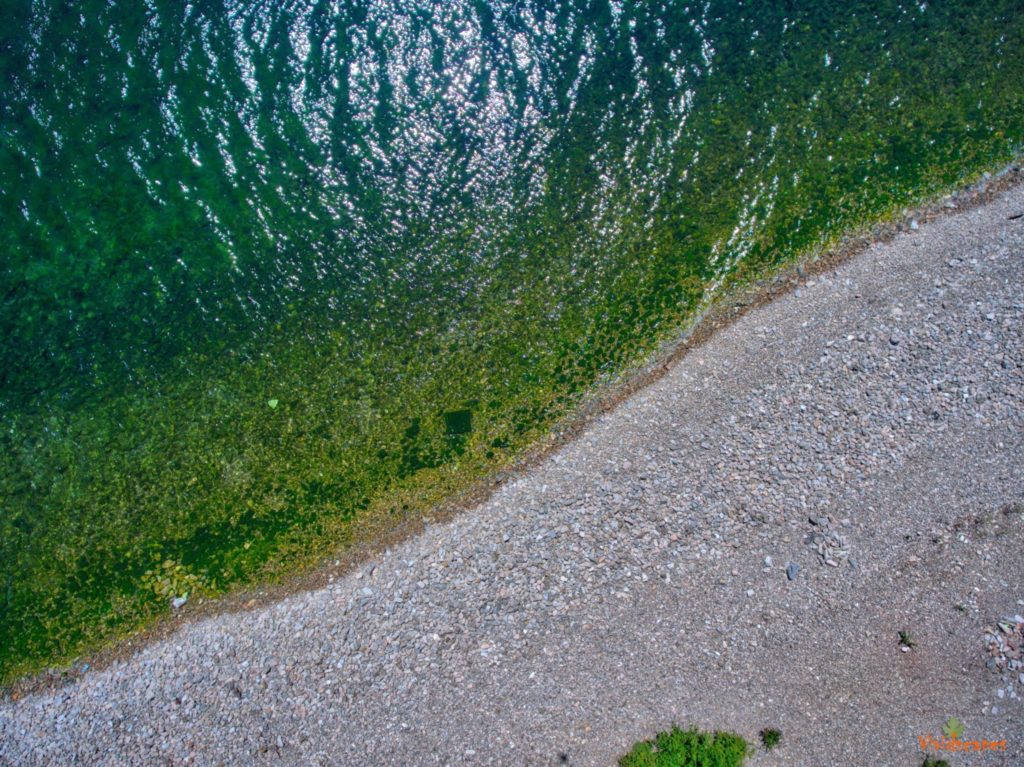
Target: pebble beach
(736, 546)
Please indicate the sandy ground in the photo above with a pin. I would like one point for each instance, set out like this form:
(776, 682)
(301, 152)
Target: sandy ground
(867, 429)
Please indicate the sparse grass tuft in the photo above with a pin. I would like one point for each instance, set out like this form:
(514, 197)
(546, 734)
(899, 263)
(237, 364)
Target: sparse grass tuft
(688, 748)
(770, 738)
(929, 762)
(906, 640)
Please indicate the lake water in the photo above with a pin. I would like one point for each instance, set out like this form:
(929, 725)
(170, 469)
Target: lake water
(276, 273)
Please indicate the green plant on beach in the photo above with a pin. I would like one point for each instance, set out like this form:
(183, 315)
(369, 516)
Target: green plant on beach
(930, 762)
(770, 738)
(953, 728)
(906, 640)
(688, 748)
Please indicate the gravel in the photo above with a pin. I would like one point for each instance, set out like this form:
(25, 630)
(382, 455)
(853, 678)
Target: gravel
(627, 582)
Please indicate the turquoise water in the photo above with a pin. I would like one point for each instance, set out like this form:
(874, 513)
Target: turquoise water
(279, 273)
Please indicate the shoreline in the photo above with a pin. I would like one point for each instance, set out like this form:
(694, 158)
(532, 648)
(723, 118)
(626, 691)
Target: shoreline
(868, 429)
(733, 303)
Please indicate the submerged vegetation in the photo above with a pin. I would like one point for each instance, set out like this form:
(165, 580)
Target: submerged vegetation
(274, 273)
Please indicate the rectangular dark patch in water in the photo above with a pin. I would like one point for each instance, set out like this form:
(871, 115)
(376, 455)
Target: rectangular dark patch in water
(458, 421)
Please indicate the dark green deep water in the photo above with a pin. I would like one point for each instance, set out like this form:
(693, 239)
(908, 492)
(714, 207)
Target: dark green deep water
(271, 269)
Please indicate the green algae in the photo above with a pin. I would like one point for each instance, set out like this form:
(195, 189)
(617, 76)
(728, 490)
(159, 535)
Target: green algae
(274, 272)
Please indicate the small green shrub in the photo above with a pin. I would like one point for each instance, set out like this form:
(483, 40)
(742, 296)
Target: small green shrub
(688, 748)
(770, 738)
(929, 762)
(953, 728)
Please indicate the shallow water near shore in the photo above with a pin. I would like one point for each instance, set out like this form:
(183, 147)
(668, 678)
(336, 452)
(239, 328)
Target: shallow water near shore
(272, 270)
